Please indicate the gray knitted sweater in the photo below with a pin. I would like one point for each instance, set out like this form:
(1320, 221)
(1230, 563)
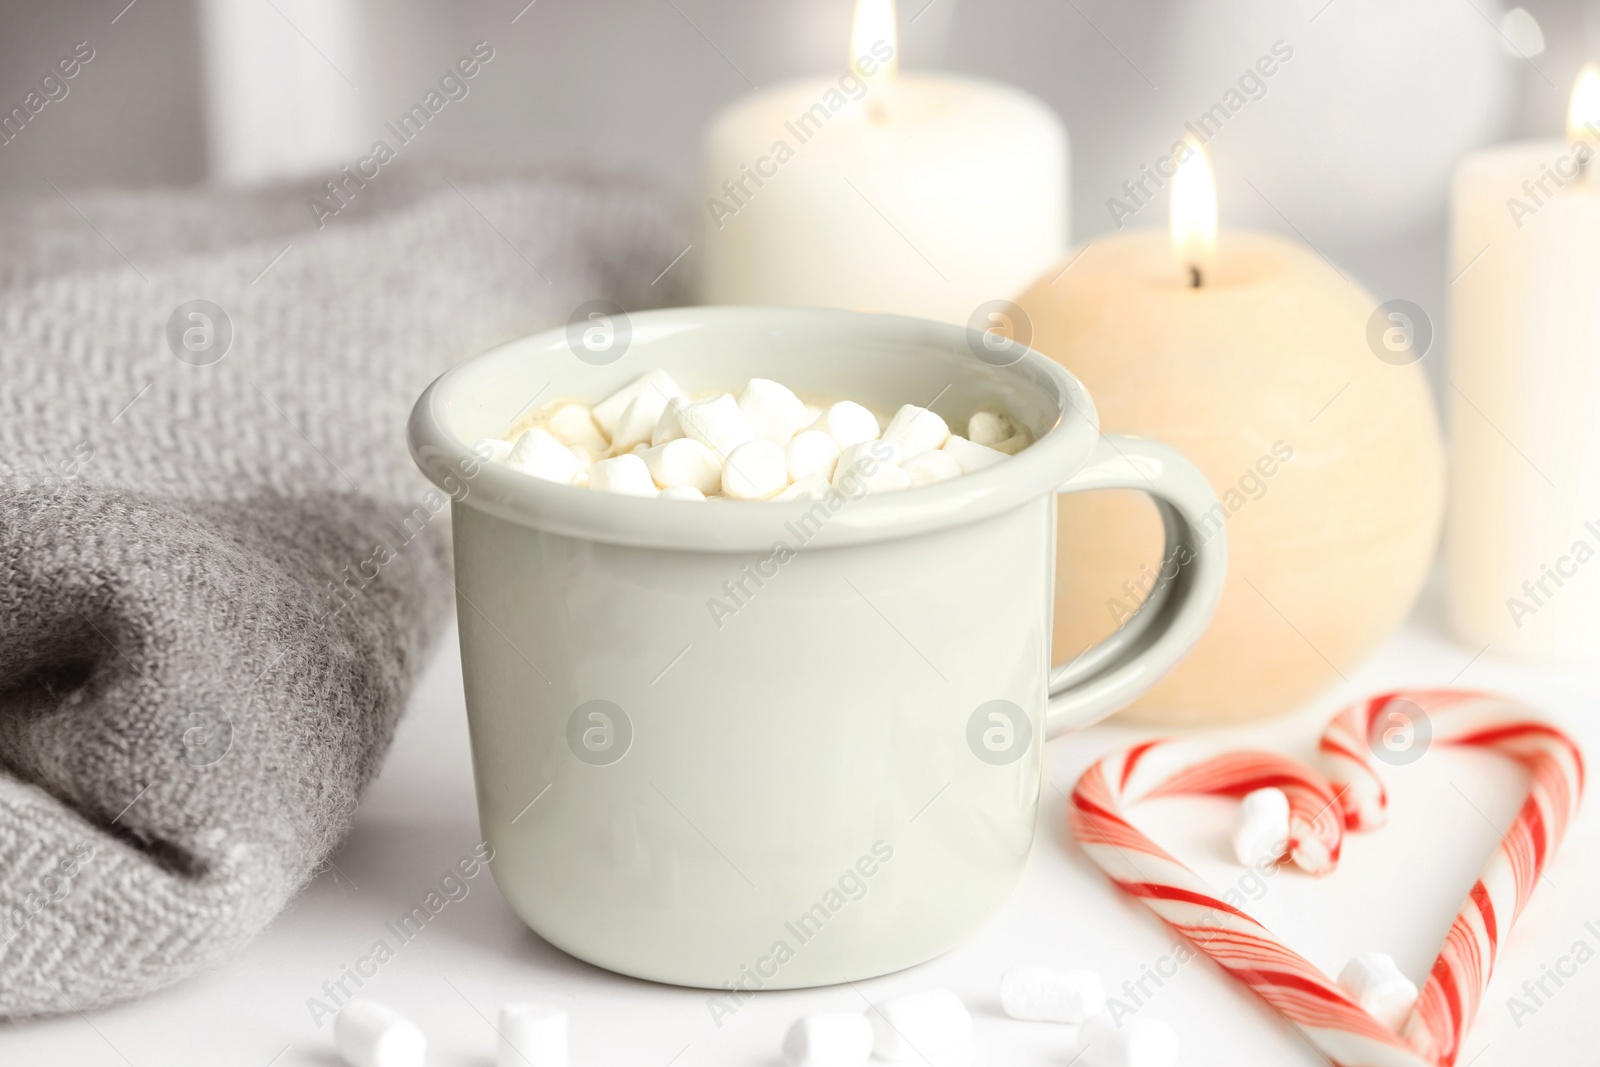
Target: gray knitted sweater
(200, 665)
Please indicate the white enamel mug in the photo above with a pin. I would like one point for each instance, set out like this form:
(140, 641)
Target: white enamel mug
(834, 774)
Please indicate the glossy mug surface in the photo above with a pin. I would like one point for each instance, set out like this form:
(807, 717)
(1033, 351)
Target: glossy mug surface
(782, 745)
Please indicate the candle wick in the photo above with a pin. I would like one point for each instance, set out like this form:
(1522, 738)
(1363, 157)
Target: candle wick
(1194, 277)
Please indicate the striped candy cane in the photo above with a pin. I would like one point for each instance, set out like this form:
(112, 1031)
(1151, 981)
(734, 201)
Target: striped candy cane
(1351, 796)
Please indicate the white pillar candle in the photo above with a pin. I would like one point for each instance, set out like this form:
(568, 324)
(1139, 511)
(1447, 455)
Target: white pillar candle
(1523, 539)
(922, 195)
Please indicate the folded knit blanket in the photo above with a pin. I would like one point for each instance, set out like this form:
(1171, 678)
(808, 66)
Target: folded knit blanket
(218, 576)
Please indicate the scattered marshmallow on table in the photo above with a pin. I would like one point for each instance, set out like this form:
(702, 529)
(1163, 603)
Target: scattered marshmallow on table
(919, 1024)
(626, 474)
(532, 1035)
(541, 455)
(1261, 835)
(1051, 995)
(371, 1034)
(1138, 1042)
(755, 470)
(828, 1039)
(1375, 982)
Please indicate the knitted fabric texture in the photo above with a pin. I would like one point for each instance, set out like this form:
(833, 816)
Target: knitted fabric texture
(217, 579)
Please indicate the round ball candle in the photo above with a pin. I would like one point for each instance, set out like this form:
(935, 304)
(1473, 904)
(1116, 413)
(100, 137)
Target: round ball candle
(1523, 540)
(922, 195)
(1250, 355)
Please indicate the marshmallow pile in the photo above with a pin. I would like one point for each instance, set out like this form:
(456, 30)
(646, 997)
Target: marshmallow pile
(368, 1033)
(651, 439)
(927, 1025)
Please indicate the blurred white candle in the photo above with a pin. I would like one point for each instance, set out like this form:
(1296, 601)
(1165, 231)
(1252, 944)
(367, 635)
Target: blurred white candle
(918, 194)
(1523, 540)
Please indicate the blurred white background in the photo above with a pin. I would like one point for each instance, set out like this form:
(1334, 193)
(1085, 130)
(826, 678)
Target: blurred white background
(1348, 146)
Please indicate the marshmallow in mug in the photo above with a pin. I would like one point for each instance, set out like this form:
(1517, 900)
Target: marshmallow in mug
(649, 438)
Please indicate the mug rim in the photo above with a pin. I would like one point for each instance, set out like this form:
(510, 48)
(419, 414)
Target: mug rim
(741, 526)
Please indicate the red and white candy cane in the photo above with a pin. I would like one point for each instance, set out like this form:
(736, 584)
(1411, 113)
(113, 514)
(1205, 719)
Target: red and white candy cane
(1320, 809)
(1455, 985)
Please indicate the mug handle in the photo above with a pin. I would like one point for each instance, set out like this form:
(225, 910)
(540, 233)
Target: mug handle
(1109, 675)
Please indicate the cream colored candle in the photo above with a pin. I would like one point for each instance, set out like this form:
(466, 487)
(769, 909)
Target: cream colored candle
(922, 195)
(1523, 542)
(1249, 354)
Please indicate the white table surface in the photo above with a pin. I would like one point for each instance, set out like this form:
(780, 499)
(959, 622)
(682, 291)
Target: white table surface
(1396, 890)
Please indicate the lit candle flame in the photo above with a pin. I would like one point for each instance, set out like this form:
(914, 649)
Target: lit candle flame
(874, 28)
(1583, 113)
(1194, 212)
